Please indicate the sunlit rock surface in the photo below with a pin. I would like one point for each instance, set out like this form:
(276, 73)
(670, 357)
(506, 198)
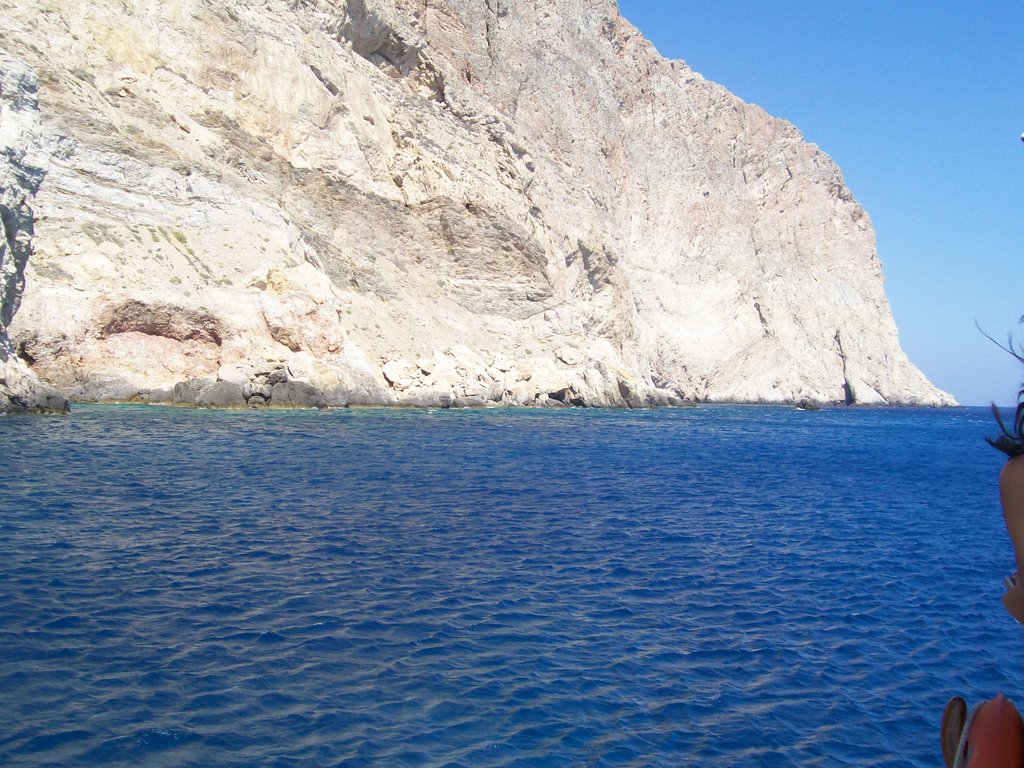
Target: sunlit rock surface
(429, 202)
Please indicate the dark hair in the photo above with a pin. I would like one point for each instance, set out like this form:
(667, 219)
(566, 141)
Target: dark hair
(1011, 442)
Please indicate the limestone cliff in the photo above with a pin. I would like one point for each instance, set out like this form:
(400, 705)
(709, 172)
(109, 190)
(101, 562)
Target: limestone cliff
(21, 173)
(429, 202)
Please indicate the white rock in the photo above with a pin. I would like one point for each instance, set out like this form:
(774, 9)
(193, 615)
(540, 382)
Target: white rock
(317, 199)
(399, 373)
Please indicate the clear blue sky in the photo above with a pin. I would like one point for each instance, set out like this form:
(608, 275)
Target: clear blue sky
(922, 106)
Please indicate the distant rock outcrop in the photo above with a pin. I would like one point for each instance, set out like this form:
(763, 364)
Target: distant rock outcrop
(429, 203)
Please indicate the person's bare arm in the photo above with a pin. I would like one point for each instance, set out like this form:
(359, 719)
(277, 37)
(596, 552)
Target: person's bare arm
(1011, 491)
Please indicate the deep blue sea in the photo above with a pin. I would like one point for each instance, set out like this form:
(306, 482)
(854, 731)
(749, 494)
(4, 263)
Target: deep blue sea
(715, 586)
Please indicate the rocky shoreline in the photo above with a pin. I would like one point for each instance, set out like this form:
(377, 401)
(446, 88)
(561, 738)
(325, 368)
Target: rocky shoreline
(277, 389)
(285, 394)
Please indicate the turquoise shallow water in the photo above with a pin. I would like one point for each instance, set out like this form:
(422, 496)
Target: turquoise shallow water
(719, 586)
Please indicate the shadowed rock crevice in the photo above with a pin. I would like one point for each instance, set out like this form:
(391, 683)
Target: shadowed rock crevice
(378, 42)
(14, 251)
(159, 319)
(598, 264)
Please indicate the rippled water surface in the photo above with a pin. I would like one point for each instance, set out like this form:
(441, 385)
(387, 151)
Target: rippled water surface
(717, 586)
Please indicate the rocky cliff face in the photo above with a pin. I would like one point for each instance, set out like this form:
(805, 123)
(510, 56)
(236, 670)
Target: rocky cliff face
(429, 202)
(21, 172)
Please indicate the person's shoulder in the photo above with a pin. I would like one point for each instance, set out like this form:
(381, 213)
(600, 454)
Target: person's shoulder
(1013, 471)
